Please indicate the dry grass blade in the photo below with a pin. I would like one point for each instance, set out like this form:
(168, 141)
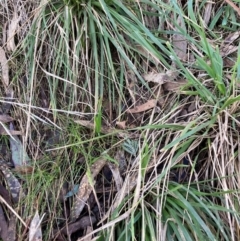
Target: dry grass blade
(109, 224)
(234, 6)
(207, 13)
(129, 184)
(85, 188)
(222, 159)
(4, 66)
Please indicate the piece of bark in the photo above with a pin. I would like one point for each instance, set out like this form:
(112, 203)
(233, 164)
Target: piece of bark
(85, 188)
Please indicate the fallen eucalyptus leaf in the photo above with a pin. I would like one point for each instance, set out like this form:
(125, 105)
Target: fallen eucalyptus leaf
(146, 106)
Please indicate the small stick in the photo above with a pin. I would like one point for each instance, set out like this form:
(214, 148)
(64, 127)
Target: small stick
(13, 211)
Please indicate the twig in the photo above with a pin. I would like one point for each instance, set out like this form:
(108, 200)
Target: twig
(13, 211)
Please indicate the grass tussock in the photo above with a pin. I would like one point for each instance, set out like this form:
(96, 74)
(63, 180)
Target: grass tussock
(127, 114)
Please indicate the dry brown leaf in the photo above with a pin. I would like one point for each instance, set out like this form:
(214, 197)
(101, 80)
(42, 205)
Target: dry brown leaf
(158, 78)
(85, 188)
(24, 170)
(5, 118)
(121, 124)
(174, 86)
(146, 106)
(179, 41)
(4, 67)
(35, 232)
(13, 26)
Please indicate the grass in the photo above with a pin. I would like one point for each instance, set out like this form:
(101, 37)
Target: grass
(77, 75)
